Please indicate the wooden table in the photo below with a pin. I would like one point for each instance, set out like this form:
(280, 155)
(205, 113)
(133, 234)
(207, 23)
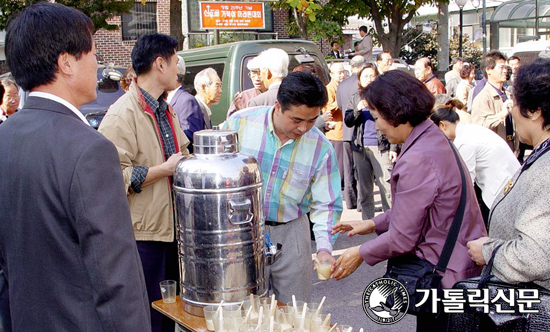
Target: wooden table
(175, 312)
(189, 322)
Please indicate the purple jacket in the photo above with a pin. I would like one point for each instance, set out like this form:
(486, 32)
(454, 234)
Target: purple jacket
(425, 189)
(189, 113)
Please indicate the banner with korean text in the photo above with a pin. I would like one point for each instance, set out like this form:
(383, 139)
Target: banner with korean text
(232, 15)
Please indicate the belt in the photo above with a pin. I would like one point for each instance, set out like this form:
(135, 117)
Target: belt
(274, 223)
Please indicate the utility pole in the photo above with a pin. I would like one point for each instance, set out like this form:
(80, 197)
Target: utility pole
(443, 37)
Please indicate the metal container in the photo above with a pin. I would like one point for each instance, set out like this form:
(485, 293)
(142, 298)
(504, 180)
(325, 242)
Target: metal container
(220, 222)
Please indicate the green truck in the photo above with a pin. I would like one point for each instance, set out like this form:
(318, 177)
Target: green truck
(229, 61)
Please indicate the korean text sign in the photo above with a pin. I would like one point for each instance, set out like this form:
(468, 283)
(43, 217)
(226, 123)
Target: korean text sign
(232, 15)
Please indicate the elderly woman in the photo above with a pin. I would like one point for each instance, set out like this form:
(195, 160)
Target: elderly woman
(520, 216)
(425, 188)
(367, 158)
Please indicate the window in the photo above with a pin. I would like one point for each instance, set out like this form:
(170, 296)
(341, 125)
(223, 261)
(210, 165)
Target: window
(141, 20)
(192, 70)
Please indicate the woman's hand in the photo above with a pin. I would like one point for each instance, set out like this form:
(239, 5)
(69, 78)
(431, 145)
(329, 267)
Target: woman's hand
(346, 264)
(474, 250)
(354, 227)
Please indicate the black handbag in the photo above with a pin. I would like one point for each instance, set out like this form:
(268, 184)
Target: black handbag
(475, 319)
(415, 273)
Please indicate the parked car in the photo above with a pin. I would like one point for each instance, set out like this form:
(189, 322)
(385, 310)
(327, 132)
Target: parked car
(108, 91)
(229, 61)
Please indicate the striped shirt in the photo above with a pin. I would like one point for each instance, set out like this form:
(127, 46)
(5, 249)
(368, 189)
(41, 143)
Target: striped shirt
(299, 176)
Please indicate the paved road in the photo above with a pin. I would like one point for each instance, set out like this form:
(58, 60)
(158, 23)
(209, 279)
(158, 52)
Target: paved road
(344, 296)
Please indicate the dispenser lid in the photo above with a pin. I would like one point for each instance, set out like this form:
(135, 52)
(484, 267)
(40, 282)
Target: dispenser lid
(215, 141)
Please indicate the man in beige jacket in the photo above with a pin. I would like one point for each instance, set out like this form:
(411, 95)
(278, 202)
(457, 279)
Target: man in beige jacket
(150, 142)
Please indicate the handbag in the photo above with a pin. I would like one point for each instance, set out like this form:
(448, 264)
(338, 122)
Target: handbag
(416, 273)
(474, 319)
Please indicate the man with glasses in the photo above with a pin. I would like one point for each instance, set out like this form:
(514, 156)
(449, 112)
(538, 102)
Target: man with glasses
(241, 98)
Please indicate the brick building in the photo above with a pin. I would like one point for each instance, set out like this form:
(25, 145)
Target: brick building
(116, 46)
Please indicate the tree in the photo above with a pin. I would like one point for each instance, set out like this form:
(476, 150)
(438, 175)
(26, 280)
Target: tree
(317, 18)
(419, 44)
(391, 14)
(99, 11)
(470, 51)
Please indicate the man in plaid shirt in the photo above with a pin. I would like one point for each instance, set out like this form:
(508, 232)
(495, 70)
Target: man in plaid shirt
(300, 176)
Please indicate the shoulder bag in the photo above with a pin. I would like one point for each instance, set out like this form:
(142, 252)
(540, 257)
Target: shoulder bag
(415, 273)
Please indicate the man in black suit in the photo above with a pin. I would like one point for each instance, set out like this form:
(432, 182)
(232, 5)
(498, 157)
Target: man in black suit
(335, 50)
(66, 242)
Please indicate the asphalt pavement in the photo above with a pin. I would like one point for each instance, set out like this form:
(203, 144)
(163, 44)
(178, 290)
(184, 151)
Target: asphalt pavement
(344, 297)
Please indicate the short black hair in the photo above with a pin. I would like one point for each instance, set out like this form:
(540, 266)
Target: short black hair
(513, 57)
(333, 42)
(2, 90)
(490, 60)
(399, 98)
(532, 89)
(38, 35)
(364, 29)
(355, 44)
(444, 113)
(300, 88)
(148, 48)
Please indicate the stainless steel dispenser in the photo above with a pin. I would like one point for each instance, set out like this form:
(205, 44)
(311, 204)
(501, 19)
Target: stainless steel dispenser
(220, 222)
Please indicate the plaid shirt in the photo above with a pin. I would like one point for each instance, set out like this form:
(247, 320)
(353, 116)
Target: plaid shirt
(300, 176)
(139, 173)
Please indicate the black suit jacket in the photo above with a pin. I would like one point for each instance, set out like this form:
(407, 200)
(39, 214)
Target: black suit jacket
(66, 241)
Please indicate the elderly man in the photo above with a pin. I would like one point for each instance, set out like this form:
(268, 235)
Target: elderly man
(67, 247)
(10, 101)
(364, 48)
(384, 62)
(300, 175)
(424, 72)
(334, 132)
(345, 90)
(241, 98)
(186, 107)
(452, 77)
(209, 91)
(150, 142)
(273, 65)
(490, 107)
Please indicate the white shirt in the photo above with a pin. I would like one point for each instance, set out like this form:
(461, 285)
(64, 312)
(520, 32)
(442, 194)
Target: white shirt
(60, 100)
(489, 159)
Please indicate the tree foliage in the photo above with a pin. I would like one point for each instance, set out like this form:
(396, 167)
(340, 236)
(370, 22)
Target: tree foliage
(418, 45)
(390, 18)
(470, 51)
(99, 11)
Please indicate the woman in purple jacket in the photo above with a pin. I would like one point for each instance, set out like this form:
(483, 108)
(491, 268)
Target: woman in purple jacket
(425, 190)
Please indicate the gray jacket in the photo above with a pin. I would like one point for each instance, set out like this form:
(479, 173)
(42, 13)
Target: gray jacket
(520, 221)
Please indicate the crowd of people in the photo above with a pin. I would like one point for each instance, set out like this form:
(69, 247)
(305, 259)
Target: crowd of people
(87, 226)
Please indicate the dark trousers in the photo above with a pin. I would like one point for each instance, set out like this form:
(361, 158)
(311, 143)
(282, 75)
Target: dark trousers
(5, 317)
(432, 322)
(350, 183)
(160, 262)
(339, 149)
(484, 209)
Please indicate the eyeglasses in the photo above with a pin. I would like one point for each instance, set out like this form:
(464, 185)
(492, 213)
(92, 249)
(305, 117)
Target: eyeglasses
(253, 73)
